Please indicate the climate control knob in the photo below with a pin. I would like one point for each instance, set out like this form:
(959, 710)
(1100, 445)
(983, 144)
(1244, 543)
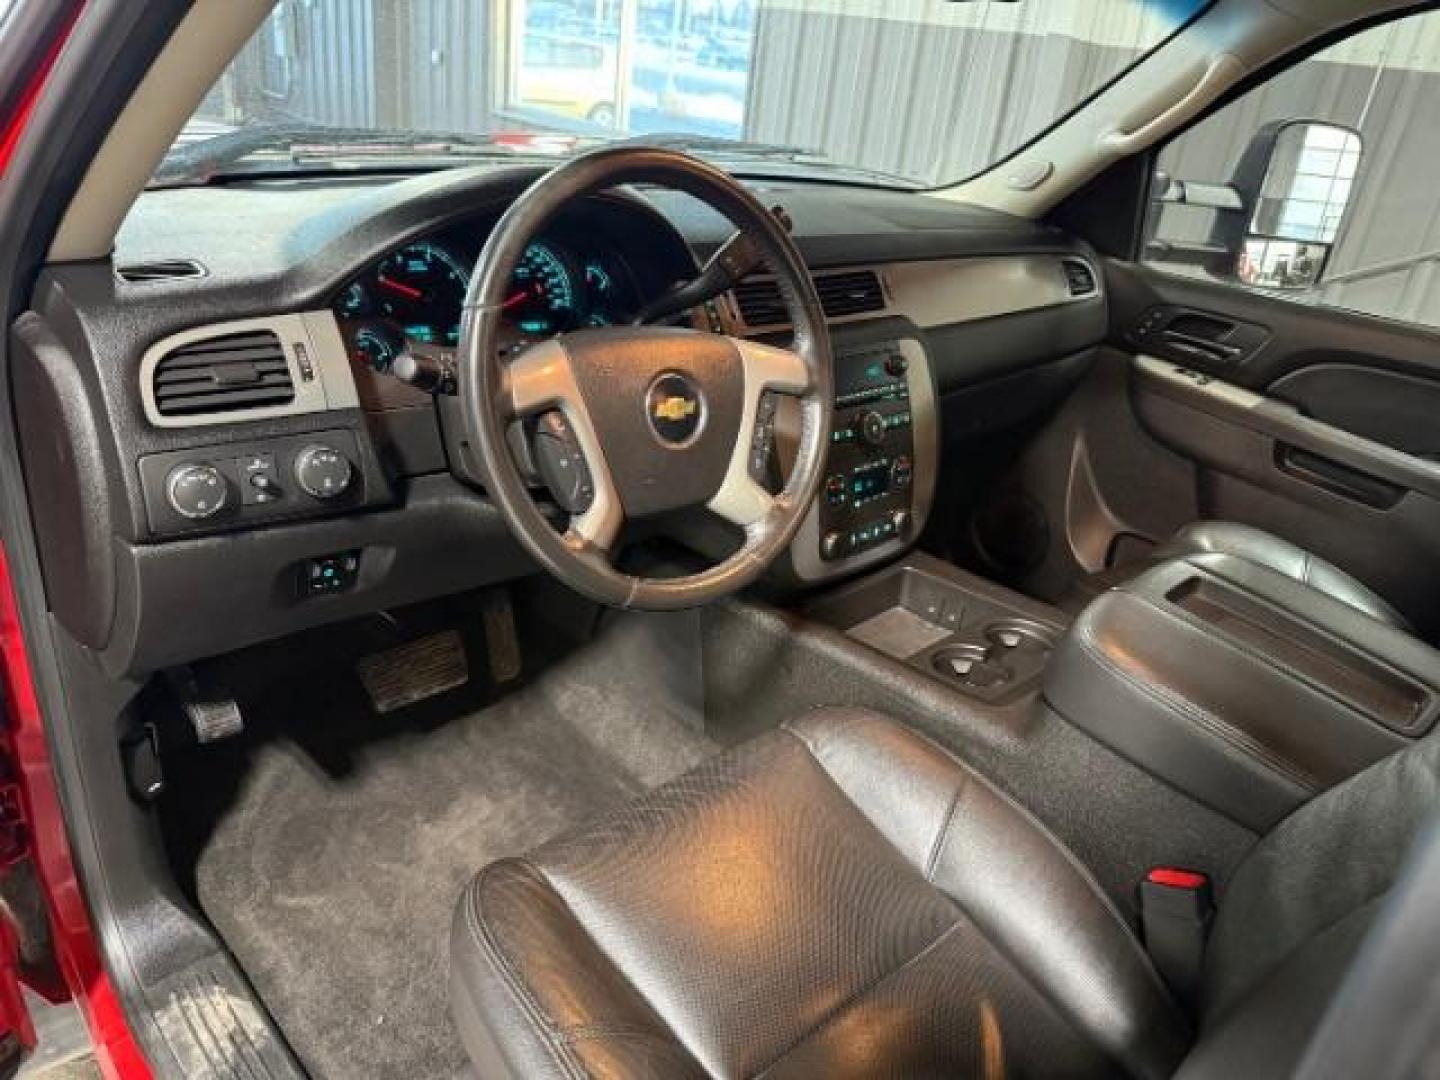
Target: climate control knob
(871, 428)
(196, 492)
(323, 472)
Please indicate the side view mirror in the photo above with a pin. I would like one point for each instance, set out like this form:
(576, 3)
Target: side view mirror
(1277, 218)
(1296, 215)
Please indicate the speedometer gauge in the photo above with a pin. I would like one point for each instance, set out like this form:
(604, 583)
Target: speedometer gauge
(422, 288)
(543, 293)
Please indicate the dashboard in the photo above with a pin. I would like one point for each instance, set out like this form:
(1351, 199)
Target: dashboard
(224, 457)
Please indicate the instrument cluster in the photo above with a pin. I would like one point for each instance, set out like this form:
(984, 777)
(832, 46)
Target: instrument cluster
(414, 296)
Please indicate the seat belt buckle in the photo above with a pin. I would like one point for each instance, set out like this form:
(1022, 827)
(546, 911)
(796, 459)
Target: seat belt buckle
(1176, 909)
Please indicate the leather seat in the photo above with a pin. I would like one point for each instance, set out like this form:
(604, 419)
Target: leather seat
(1254, 546)
(842, 898)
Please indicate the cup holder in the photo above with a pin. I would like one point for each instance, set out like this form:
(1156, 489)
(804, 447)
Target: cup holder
(1010, 651)
(1020, 636)
(974, 665)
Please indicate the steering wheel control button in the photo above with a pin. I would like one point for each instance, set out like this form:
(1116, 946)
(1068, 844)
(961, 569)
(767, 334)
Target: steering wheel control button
(561, 464)
(197, 492)
(835, 489)
(901, 473)
(323, 472)
(675, 408)
(833, 545)
(762, 442)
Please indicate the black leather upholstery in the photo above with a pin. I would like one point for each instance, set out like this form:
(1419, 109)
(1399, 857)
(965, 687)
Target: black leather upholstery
(841, 898)
(1253, 545)
(837, 898)
(1240, 686)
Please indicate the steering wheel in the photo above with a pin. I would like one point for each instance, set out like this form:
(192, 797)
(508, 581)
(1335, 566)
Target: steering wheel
(644, 420)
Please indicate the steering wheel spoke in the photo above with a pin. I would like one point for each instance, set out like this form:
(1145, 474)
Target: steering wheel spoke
(769, 367)
(540, 379)
(743, 501)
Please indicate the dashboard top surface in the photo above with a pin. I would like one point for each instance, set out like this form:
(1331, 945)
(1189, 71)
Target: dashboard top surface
(275, 228)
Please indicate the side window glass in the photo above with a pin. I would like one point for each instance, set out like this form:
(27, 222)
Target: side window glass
(1318, 184)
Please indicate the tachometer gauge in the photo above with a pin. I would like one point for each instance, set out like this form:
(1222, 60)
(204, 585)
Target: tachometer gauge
(422, 287)
(543, 294)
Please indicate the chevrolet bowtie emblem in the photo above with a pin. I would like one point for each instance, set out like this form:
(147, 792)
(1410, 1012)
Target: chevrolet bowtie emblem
(675, 408)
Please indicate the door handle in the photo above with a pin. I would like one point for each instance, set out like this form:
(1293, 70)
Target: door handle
(1336, 478)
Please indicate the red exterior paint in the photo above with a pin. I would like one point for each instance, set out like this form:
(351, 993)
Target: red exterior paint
(24, 739)
(70, 920)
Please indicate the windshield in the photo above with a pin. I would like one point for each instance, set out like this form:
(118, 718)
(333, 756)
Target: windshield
(903, 92)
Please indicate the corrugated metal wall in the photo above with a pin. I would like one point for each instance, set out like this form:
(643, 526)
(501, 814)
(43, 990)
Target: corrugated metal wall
(313, 60)
(878, 83)
(367, 63)
(1386, 83)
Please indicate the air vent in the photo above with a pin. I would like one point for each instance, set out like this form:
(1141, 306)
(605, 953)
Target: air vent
(759, 303)
(161, 270)
(224, 374)
(850, 293)
(1079, 277)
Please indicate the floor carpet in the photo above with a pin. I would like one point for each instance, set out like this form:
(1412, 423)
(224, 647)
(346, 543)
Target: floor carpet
(335, 862)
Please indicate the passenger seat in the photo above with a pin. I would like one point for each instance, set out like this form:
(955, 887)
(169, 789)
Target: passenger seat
(1251, 545)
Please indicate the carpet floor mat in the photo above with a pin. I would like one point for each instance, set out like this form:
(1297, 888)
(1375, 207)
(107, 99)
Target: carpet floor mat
(334, 862)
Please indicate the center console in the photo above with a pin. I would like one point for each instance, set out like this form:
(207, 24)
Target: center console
(883, 458)
(1241, 687)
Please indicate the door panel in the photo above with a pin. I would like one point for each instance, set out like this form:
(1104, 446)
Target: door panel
(1402, 411)
(1318, 425)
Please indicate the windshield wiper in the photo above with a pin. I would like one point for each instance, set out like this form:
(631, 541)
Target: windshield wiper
(199, 161)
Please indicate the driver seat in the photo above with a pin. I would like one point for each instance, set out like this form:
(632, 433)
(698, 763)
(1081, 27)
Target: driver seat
(841, 898)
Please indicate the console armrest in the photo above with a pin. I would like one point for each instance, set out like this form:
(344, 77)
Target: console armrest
(1243, 688)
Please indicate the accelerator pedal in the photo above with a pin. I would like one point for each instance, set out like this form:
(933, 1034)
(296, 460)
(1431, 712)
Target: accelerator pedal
(502, 641)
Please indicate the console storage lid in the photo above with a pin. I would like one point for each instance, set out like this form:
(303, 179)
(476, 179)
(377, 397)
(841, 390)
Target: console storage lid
(1242, 687)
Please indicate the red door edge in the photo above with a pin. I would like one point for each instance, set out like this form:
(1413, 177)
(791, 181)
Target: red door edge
(76, 950)
(77, 953)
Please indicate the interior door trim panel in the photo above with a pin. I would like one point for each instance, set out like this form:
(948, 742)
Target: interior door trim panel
(1281, 422)
(1301, 335)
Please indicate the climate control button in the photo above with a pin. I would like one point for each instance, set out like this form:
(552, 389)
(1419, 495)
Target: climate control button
(196, 492)
(323, 472)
